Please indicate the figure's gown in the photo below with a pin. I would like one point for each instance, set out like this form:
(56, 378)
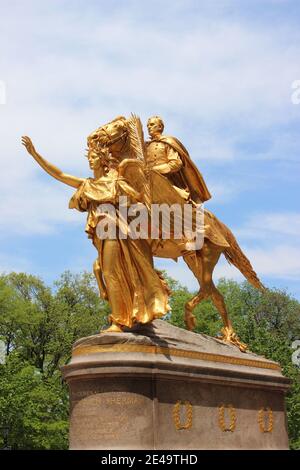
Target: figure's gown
(136, 291)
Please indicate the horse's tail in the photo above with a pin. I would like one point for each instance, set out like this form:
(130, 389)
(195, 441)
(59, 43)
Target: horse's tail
(235, 256)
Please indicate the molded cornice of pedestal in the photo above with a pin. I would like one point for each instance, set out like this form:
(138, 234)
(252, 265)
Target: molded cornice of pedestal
(168, 351)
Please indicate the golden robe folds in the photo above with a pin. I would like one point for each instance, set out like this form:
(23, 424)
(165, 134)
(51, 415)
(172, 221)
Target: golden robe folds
(136, 291)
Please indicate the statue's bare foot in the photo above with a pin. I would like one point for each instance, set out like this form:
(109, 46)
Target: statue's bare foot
(114, 328)
(189, 320)
(229, 336)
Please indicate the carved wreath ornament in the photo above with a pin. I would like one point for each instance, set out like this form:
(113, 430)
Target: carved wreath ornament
(226, 418)
(189, 415)
(265, 420)
(232, 418)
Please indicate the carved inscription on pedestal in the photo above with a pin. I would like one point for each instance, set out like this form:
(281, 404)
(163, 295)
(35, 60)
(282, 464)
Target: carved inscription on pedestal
(108, 419)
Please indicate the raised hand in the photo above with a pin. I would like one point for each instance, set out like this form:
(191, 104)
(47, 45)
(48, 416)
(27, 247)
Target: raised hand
(52, 170)
(26, 141)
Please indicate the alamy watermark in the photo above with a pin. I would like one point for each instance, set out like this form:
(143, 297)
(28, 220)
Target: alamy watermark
(296, 353)
(2, 92)
(159, 221)
(295, 97)
(2, 352)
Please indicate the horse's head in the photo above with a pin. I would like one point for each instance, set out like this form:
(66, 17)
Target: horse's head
(113, 136)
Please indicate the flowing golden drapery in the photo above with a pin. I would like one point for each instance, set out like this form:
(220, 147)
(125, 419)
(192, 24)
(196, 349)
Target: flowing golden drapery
(136, 291)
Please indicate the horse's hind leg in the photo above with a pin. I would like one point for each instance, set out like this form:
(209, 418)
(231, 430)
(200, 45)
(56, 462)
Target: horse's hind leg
(218, 301)
(209, 257)
(228, 333)
(189, 317)
(202, 264)
(194, 262)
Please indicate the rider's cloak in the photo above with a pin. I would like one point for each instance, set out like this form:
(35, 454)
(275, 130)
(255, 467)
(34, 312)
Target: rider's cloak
(192, 176)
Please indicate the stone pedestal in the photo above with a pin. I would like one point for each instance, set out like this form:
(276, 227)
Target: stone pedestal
(161, 387)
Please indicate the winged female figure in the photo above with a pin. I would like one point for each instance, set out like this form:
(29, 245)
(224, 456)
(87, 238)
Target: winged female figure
(124, 270)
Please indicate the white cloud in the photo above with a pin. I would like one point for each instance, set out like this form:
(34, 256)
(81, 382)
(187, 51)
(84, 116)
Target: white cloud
(272, 244)
(224, 192)
(227, 271)
(210, 81)
(279, 262)
(282, 261)
(32, 208)
(216, 79)
(271, 226)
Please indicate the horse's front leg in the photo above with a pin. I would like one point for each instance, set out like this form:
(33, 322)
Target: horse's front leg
(189, 317)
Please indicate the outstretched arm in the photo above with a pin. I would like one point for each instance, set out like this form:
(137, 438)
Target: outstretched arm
(49, 168)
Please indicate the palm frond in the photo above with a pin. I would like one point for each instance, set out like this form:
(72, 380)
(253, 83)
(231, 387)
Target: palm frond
(136, 135)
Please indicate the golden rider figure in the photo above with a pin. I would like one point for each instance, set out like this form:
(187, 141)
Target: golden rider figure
(169, 157)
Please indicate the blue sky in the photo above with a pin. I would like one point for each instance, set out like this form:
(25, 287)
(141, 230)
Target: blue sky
(219, 72)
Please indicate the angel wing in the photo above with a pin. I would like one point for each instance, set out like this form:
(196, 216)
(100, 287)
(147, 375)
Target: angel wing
(155, 188)
(163, 192)
(132, 170)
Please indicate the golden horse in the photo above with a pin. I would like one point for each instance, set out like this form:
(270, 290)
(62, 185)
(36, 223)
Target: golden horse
(124, 140)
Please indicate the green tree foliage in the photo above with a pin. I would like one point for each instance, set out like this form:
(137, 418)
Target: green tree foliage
(32, 407)
(268, 322)
(38, 326)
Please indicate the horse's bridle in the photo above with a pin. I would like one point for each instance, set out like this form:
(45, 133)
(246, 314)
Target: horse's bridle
(116, 139)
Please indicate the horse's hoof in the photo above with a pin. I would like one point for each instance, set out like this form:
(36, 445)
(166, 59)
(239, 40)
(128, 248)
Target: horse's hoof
(230, 337)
